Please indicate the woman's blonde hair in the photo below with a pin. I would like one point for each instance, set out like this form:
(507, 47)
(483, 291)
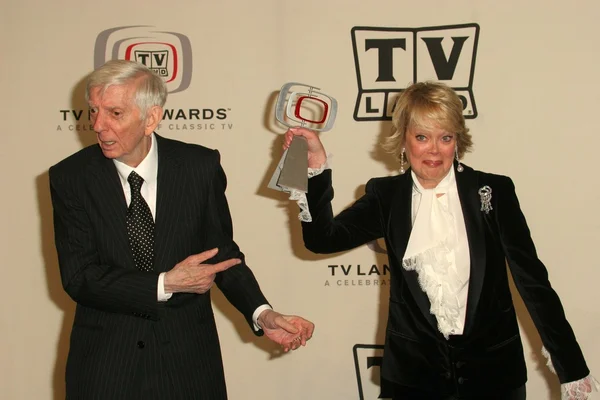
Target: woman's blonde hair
(428, 104)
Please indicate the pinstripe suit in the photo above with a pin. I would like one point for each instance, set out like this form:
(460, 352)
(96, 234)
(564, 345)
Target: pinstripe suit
(125, 344)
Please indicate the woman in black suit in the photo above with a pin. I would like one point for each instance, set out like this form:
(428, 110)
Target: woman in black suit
(452, 329)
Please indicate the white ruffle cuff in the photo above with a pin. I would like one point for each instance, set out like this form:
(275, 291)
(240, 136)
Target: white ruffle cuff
(300, 197)
(577, 390)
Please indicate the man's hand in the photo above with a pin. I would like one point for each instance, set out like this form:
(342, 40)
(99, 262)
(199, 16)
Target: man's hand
(192, 276)
(289, 331)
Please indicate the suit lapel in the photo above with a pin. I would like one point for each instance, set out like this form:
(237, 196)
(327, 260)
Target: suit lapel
(106, 188)
(169, 184)
(400, 226)
(468, 186)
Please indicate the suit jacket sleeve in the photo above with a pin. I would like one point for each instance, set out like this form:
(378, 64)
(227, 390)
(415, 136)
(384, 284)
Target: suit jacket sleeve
(531, 279)
(238, 283)
(358, 224)
(88, 281)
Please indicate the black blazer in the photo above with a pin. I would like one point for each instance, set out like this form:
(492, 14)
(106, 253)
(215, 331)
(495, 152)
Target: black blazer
(489, 354)
(125, 344)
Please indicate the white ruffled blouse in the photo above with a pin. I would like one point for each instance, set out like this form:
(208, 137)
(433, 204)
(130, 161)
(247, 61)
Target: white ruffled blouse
(438, 250)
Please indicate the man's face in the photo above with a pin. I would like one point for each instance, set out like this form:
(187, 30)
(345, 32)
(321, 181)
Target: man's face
(122, 134)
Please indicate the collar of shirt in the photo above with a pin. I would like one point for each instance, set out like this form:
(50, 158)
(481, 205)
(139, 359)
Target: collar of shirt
(148, 168)
(442, 187)
(446, 186)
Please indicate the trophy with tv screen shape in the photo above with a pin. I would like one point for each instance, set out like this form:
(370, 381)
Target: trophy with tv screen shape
(305, 106)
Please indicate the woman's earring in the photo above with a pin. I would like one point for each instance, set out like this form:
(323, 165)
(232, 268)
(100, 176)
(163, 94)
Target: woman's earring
(459, 167)
(402, 160)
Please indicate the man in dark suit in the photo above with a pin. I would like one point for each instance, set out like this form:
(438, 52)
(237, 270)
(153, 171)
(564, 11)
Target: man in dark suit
(142, 231)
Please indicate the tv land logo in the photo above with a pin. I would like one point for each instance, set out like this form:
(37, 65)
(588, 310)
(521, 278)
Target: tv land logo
(368, 359)
(360, 275)
(357, 275)
(168, 54)
(387, 60)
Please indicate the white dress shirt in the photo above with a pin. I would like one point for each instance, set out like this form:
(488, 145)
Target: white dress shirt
(148, 170)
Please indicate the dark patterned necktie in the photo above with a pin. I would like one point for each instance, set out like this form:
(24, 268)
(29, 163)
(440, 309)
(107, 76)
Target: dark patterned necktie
(140, 226)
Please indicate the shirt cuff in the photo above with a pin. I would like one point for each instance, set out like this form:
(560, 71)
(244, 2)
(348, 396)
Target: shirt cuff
(300, 196)
(317, 171)
(258, 311)
(161, 295)
(577, 390)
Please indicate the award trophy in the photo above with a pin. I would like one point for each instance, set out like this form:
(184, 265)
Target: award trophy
(310, 109)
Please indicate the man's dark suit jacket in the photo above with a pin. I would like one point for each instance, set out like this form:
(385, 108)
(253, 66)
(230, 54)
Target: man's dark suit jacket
(488, 357)
(125, 344)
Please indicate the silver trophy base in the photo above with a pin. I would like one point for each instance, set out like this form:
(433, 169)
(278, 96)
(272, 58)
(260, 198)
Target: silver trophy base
(292, 170)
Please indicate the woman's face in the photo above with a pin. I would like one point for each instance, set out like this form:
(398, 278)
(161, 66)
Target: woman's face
(430, 152)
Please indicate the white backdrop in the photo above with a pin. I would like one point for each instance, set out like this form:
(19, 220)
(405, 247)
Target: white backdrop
(536, 92)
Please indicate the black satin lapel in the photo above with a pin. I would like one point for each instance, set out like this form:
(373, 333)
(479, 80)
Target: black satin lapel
(400, 226)
(168, 182)
(105, 187)
(400, 223)
(468, 187)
